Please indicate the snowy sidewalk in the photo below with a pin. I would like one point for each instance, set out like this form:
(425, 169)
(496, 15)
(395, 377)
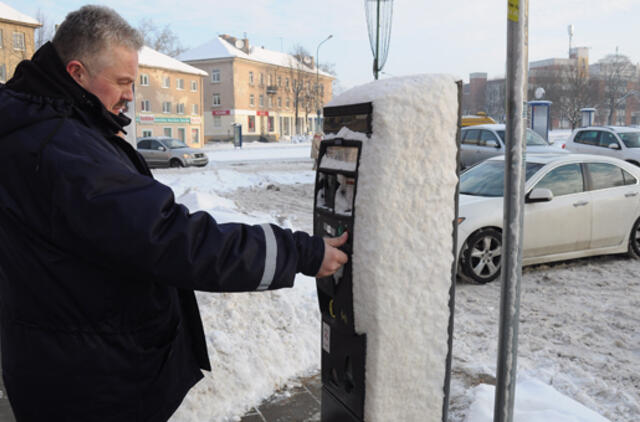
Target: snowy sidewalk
(298, 404)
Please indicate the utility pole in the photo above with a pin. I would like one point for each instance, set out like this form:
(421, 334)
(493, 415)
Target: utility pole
(517, 54)
(318, 108)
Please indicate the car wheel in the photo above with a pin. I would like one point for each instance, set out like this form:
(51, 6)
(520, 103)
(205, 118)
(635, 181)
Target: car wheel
(482, 257)
(634, 240)
(175, 163)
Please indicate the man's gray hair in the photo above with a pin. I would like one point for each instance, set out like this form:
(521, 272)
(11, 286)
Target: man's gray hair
(87, 32)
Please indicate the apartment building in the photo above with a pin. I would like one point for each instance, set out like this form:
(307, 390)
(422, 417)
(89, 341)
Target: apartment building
(258, 90)
(16, 39)
(169, 98)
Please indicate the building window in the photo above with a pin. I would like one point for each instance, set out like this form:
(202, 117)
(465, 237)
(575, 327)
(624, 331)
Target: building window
(194, 86)
(252, 100)
(182, 134)
(144, 79)
(195, 135)
(180, 84)
(167, 132)
(269, 79)
(279, 102)
(147, 133)
(279, 80)
(270, 102)
(145, 106)
(180, 108)
(3, 72)
(18, 41)
(251, 122)
(261, 100)
(250, 78)
(1, 40)
(217, 121)
(286, 84)
(215, 102)
(166, 107)
(270, 124)
(215, 76)
(288, 103)
(261, 79)
(166, 82)
(194, 109)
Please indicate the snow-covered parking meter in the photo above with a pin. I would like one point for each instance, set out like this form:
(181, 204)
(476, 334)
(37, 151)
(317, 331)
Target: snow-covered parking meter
(387, 174)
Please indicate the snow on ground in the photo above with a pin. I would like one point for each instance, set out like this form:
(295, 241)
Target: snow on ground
(579, 348)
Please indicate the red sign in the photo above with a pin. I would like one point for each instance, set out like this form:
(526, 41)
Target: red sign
(262, 113)
(220, 112)
(144, 118)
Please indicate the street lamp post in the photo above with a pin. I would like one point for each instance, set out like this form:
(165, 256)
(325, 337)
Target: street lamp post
(318, 109)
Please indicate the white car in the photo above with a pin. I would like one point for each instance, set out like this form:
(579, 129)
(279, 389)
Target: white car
(576, 205)
(613, 141)
(479, 142)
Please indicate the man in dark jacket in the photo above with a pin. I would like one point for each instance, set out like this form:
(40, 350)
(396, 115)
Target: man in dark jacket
(98, 264)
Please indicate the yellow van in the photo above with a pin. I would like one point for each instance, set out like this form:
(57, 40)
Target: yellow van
(479, 118)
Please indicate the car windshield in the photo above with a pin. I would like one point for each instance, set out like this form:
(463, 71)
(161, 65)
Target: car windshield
(487, 179)
(630, 139)
(174, 143)
(532, 137)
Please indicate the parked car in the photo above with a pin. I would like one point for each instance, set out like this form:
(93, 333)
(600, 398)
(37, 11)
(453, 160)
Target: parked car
(163, 151)
(614, 141)
(484, 141)
(576, 205)
(476, 119)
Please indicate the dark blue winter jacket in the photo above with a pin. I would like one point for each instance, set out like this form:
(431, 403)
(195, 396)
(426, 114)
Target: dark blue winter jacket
(98, 264)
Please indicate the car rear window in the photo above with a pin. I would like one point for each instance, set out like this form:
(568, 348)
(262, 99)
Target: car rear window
(487, 178)
(587, 137)
(604, 175)
(630, 139)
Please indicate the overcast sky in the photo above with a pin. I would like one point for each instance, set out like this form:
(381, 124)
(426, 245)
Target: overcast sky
(427, 36)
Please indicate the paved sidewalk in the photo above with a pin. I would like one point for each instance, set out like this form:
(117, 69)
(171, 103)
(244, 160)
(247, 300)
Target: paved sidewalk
(297, 404)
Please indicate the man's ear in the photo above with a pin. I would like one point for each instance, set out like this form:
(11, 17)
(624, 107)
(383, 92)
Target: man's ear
(78, 72)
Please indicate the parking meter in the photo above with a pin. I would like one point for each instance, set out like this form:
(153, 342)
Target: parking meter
(387, 174)
(541, 117)
(343, 351)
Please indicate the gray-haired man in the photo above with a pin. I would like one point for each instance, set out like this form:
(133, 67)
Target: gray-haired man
(98, 264)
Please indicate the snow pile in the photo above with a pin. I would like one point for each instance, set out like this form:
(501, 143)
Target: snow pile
(403, 243)
(535, 401)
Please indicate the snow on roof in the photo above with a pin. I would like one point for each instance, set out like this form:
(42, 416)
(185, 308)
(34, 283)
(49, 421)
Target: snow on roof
(219, 48)
(11, 14)
(152, 58)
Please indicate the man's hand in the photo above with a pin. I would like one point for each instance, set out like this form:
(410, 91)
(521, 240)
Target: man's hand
(334, 258)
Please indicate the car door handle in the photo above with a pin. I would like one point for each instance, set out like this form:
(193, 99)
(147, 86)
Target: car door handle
(630, 194)
(580, 204)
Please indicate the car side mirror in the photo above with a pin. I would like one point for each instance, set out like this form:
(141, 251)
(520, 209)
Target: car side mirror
(161, 148)
(492, 143)
(614, 145)
(539, 195)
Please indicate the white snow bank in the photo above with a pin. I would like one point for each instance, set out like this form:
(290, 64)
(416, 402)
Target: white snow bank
(535, 401)
(403, 243)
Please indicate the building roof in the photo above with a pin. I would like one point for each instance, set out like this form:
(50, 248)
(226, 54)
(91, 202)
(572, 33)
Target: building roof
(219, 48)
(151, 58)
(10, 14)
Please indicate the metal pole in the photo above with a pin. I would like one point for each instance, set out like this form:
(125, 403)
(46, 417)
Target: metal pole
(375, 60)
(517, 52)
(318, 109)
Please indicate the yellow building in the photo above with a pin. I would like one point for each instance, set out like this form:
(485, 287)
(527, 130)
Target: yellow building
(16, 39)
(258, 89)
(169, 98)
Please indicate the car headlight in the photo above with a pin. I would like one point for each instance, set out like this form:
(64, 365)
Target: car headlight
(186, 156)
(461, 219)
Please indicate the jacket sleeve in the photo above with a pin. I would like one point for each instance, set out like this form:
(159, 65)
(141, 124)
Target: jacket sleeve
(114, 217)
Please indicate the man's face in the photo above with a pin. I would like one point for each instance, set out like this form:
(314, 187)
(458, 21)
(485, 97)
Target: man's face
(113, 77)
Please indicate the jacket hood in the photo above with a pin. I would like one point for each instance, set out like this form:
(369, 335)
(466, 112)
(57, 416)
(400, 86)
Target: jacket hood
(48, 91)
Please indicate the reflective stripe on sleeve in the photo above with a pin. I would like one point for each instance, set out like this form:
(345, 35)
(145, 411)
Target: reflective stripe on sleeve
(271, 253)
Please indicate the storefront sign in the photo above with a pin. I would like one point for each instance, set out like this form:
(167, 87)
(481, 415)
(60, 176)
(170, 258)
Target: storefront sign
(220, 112)
(262, 113)
(196, 120)
(172, 120)
(145, 118)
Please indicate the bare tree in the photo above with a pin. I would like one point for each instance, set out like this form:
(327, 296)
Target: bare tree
(160, 39)
(45, 32)
(578, 92)
(616, 72)
(300, 70)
